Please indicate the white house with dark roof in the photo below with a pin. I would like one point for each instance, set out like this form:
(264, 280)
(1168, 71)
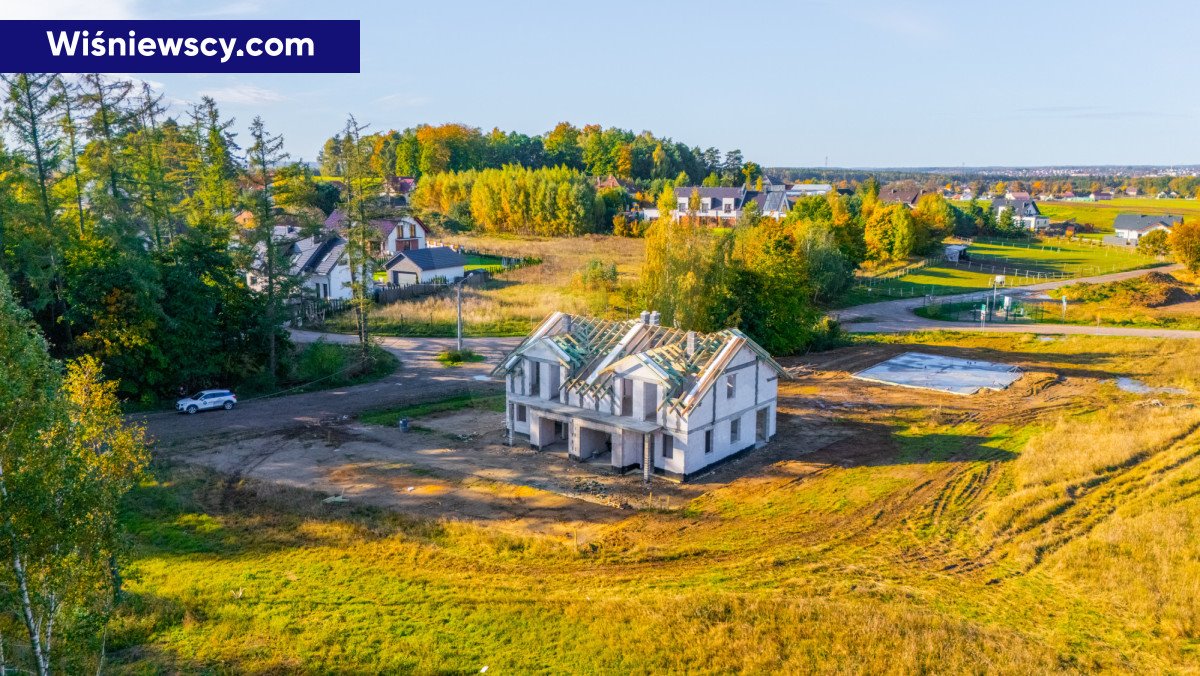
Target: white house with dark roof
(423, 266)
(1024, 212)
(318, 262)
(728, 203)
(633, 393)
(1132, 227)
(405, 233)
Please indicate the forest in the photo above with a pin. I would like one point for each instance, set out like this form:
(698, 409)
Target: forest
(118, 231)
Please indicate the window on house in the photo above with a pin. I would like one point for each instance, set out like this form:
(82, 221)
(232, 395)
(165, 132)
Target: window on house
(668, 446)
(730, 385)
(521, 414)
(735, 429)
(708, 441)
(728, 207)
(626, 397)
(683, 205)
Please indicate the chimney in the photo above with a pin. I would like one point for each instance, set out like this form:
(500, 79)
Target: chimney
(691, 343)
(655, 318)
(645, 317)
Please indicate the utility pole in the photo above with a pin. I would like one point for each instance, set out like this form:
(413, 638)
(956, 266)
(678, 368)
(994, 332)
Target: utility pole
(460, 339)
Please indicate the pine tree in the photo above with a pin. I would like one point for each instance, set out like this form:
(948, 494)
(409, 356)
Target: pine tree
(358, 206)
(69, 96)
(266, 152)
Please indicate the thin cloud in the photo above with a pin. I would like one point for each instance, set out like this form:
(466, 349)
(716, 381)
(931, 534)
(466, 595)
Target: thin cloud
(903, 22)
(404, 100)
(1095, 112)
(243, 94)
(75, 9)
(233, 9)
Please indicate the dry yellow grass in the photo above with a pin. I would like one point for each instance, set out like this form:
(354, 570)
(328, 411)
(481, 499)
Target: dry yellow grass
(516, 300)
(989, 545)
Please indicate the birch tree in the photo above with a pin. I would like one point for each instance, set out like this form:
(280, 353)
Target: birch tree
(66, 459)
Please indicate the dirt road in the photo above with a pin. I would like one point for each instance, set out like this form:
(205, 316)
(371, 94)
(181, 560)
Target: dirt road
(897, 316)
(419, 378)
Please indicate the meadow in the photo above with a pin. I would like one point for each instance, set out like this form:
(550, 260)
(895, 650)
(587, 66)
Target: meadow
(1021, 263)
(513, 302)
(1102, 214)
(1050, 528)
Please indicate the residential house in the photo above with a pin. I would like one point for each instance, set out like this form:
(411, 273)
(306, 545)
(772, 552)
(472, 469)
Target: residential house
(902, 194)
(405, 233)
(728, 203)
(1020, 195)
(244, 219)
(398, 188)
(1133, 192)
(610, 181)
(424, 266)
(635, 394)
(318, 262)
(1024, 211)
(1099, 196)
(1132, 227)
(798, 190)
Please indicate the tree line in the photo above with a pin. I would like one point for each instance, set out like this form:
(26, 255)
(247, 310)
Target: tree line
(552, 201)
(593, 150)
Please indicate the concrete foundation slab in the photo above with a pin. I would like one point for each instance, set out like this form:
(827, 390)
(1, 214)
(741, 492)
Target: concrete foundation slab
(943, 374)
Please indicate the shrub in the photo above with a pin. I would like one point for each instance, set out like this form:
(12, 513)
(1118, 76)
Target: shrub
(321, 361)
(598, 275)
(1154, 244)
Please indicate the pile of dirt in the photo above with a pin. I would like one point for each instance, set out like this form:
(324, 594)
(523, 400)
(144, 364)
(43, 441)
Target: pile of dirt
(1152, 290)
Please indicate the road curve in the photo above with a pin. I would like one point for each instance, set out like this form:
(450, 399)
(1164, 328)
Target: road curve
(897, 316)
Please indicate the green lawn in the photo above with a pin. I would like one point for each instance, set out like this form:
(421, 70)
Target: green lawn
(1102, 214)
(476, 261)
(1022, 263)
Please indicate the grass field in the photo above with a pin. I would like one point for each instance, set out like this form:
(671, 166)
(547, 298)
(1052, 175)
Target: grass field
(514, 302)
(1051, 528)
(1136, 303)
(1102, 214)
(1021, 264)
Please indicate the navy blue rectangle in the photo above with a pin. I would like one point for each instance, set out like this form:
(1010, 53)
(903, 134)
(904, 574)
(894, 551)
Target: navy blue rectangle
(303, 46)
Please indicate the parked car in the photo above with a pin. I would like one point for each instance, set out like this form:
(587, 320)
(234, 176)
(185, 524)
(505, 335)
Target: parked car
(207, 399)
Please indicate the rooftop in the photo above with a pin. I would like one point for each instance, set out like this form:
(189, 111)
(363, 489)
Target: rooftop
(592, 347)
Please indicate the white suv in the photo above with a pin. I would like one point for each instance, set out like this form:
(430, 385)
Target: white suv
(206, 399)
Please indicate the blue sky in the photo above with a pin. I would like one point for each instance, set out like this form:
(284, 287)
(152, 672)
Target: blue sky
(863, 83)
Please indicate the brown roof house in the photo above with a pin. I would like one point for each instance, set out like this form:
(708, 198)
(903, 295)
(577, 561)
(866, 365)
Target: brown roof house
(898, 193)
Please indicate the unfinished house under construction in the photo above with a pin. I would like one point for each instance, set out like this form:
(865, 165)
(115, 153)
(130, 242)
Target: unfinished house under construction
(630, 394)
